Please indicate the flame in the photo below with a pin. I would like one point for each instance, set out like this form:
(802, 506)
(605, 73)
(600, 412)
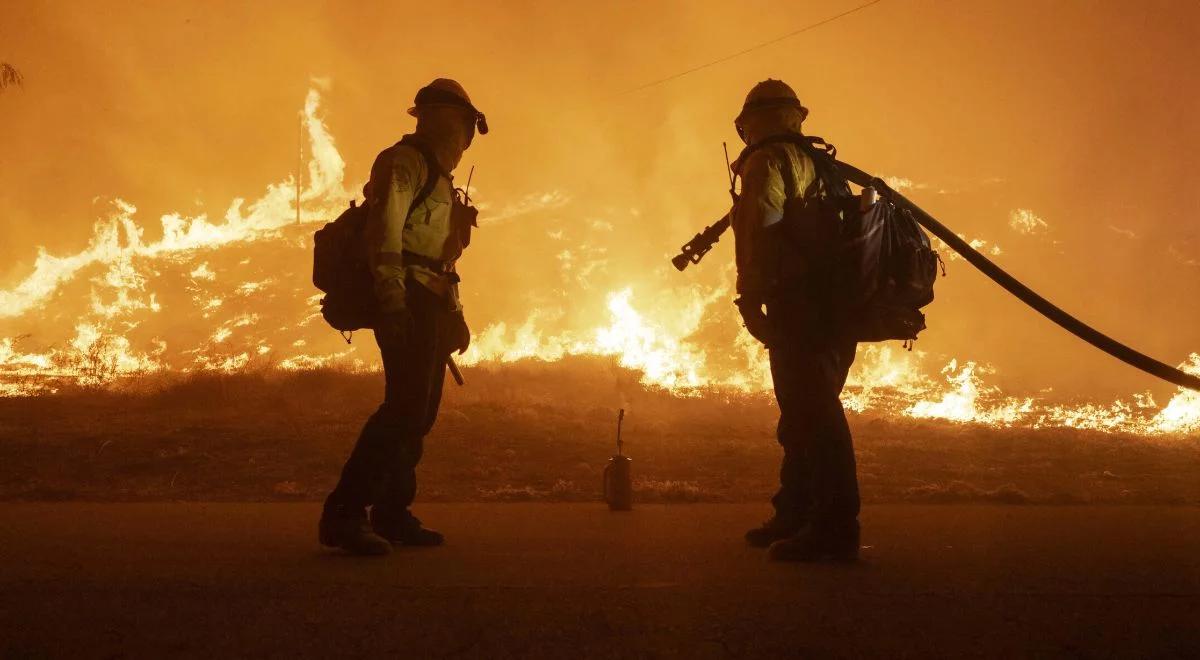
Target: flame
(636, 342)
(117, 240)
(206, 297)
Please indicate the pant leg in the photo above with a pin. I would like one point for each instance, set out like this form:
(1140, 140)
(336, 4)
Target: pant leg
(420, 399)
(836, 491)
(794, 498)
(818, 477)
(382, 465)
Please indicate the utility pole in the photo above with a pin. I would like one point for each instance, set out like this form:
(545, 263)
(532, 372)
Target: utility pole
(299, 163)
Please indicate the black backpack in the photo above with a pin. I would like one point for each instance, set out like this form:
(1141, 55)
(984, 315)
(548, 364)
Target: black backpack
(878, 265)
(340, 266)
(885, 274)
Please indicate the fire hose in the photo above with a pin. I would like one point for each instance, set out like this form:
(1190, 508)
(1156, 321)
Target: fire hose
(696, 248)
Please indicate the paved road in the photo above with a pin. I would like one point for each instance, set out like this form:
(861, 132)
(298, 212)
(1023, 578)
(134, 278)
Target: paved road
(571, 580)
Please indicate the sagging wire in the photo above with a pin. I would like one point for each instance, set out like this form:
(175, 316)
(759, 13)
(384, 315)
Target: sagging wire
(751, 49)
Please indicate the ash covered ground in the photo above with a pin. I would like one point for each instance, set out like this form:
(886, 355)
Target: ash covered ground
(535, 431)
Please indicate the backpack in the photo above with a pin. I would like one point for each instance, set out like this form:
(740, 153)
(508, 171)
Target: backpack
(340, 267)
(885, 274)
(877, 266)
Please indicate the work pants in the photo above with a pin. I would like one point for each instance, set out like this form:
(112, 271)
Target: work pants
(818, 480)
(381, 470)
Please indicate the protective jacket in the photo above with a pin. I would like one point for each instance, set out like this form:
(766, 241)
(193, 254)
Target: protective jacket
(424, 243)
(771, 176)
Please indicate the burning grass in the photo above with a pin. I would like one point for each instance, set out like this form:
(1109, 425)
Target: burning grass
(534, 431)
(196, 294)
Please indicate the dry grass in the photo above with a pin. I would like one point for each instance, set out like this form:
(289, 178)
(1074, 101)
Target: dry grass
(532, 431)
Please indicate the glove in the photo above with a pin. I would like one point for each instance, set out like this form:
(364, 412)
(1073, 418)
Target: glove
(458, 333)
(756, 321)
(395, 326)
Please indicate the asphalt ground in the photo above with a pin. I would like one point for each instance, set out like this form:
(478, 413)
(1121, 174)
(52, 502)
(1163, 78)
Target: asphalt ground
(574, 580)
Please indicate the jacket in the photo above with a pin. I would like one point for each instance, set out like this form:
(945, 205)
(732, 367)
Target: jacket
(394, 235)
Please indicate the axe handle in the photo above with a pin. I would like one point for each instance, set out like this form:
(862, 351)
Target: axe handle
(454, 371)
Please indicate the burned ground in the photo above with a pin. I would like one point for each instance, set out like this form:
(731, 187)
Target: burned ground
(534, 431)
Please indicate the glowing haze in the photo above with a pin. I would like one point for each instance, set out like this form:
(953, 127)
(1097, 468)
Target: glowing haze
(1028, 129)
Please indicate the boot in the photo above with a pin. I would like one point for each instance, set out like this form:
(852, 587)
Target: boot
(403, 529)
(344, 528)
(776, 528)
(813, 543)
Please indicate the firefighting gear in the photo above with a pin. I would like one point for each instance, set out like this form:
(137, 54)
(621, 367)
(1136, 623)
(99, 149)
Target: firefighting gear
(618, 483)
(463, 217)
(458, 335)
(770, 94)
(454, 372)
(776, 528)
(444, 91)
(618, 475)
(870, 262)
(789, 114)
(416, 228)
(341, 270)
(784, 244)
(771, 176)
(403, 528)
(381, 469)
(817, 478)
(816, 544)
(425, 242)
(347, 528)
(397, 325)
(1091, 335)
(755, 320)
(700, 244)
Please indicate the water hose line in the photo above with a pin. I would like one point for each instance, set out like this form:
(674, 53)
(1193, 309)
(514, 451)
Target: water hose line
(1023, 293)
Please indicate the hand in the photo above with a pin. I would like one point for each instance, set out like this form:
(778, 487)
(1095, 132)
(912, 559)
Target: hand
(458, 333)
(395, 326)
(756, 321)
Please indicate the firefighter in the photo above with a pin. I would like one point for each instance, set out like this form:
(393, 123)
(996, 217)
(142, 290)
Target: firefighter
(784, 299)
(417, 228)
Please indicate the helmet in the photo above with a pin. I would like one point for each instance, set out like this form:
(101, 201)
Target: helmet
(444, 91)
(769, 93)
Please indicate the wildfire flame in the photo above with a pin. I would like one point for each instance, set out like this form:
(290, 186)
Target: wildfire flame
(204, 296)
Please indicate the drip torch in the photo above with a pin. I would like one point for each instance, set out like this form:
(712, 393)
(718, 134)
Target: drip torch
(618, 477)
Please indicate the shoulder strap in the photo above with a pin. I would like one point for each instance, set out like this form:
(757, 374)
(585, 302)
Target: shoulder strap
(821, 156)
(789, 177)
(432, 169)
(825, 166)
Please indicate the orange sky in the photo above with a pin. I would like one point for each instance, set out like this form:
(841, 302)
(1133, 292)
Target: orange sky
(1082, 112)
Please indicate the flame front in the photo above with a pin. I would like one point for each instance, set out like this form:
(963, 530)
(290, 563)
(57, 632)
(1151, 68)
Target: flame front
(213, 296)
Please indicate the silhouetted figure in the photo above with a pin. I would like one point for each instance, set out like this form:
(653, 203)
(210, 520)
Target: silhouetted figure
(785, 299)
(417, 227)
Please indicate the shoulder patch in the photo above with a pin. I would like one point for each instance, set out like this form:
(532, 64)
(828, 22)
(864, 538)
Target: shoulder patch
(408, 168)
(759, 161)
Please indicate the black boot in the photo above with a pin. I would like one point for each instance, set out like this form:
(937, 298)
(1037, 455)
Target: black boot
(832, 543)
(403, 528)
(776, 528)
(348, 529)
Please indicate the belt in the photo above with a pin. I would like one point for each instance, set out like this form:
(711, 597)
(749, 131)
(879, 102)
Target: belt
(436, 265)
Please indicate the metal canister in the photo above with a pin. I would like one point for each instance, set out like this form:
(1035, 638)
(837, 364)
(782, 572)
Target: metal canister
(618, 475)
(618, 483)
(867, 199)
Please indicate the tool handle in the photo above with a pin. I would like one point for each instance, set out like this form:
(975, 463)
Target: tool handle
(620, 418)
(454, 372)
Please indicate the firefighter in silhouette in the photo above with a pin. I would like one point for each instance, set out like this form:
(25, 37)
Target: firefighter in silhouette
(417, 227)
(784, 298)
